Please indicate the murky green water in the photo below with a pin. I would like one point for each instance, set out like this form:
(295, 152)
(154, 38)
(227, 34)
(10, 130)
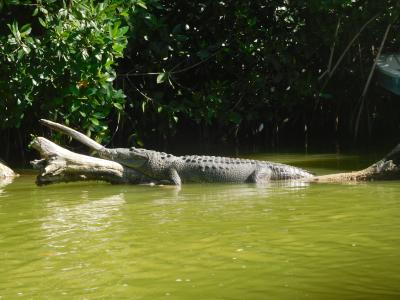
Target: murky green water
(281, 241)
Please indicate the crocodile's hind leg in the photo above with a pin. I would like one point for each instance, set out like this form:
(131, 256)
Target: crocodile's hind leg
(260, 175)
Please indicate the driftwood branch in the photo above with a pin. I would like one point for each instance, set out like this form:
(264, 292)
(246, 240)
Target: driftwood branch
(61, 165)
(388, 168)
(384, 171)
(6, 172)
(6, 175)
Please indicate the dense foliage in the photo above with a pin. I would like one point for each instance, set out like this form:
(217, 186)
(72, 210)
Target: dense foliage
(253, 68)
(223, 69)
(58, 61)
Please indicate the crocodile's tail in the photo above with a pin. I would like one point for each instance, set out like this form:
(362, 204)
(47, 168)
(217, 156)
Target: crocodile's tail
(80, 137)
(297, 173)
(286, 172)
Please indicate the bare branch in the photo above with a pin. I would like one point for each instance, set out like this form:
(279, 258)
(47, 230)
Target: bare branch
(364, 93)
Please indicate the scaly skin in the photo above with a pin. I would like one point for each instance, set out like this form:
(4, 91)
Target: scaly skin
(193, 168)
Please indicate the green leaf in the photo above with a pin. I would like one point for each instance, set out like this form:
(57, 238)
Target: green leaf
(118, 48)
(118, 106)
(161, 77)
(123, 30)
(109, 62)
(26, 30)
(15, 31)
(139, 142)
(115, 29)
(94, 121)
(26, 49)
(43, 10)
(142, 4)
(20, 54)
(326, 96)
(42, 22)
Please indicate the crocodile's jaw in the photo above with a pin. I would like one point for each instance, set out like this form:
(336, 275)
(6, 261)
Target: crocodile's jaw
(133, 157)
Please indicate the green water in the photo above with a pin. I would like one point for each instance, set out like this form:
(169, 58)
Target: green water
(280, 241)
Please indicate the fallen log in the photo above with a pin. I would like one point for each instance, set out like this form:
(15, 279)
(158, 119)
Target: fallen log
(61, 165)
(6, 172)
(388, 168)
(6, 175)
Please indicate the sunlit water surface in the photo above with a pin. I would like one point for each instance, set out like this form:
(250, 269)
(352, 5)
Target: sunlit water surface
(205, 241)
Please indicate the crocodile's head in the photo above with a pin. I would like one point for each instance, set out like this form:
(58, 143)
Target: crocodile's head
(138, 157)
(132, 157)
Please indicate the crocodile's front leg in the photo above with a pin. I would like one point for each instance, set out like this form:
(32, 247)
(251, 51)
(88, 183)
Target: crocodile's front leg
(173, 178)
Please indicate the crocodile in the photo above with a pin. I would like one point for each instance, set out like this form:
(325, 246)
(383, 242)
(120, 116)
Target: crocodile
(167, 168)
(198, 168)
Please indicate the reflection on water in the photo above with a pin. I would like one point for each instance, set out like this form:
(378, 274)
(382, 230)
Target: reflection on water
(91, 216)
(283, 240)
(5, 181)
